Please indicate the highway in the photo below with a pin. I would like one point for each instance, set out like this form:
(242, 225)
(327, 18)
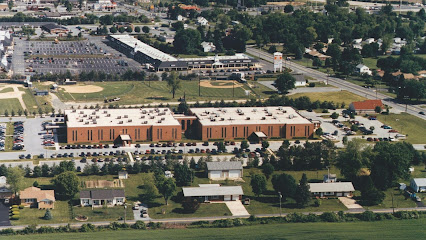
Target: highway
(344, 85)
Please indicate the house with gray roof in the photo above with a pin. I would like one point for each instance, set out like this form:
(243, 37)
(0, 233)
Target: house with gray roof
(213, 192)
(331, 189)
(102, 197)
(418, 184)
(224, 170)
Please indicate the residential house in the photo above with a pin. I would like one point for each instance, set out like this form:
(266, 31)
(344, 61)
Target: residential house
(102, 197)
(300, 80)
(35, 197)
(336, 189)
(123, 174)
(362, 69)
(213, 192)
(366, 106)
(202, 21)
(208, 47)
(418, 184)
(224, 170)
(315, 53)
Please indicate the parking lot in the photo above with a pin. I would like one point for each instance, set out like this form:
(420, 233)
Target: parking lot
(75, 56)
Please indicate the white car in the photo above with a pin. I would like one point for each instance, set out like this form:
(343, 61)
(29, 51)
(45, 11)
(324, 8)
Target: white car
(6, 201)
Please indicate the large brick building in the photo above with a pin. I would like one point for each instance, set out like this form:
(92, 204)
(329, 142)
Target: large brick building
(101, 125)
(244, 122)
(160, 124)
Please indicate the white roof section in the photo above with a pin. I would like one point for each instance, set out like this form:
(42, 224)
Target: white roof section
(143, 48)
(248, 115)
(237, 56)
(331, 187)
(218, 166)
(420, 182)
(213, 190)
(120, 117)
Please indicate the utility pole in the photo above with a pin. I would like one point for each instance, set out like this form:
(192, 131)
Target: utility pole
(199, 85)
(280, 196)
(125, 213)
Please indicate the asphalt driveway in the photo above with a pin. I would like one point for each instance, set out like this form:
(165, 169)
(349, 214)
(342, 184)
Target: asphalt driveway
(4, 215)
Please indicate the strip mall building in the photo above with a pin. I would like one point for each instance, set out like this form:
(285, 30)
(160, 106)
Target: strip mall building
(160, 124)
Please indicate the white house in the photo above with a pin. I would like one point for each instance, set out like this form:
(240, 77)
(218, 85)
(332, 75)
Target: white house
(369, 40)
(208, 47)
(102, 197)
(213, 192)
(224, 170)
(418, 184)
(202, 21)
(181, 18)
(361, 69)
(300, 80)
(337, 189)
(123, 174)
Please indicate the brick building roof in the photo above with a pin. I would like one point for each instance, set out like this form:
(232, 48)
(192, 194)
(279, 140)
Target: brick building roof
(367, 104)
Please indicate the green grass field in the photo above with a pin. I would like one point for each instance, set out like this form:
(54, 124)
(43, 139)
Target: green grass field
(9, 105)
(145, 92)
(6, 90)
(337, 97)
(406, 124)
(404, 229)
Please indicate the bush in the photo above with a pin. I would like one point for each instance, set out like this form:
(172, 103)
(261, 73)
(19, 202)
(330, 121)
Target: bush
(7, 231)
(46, 230)
(226, 223)
(154, 225)
(317, 202)
(15, 217)
(312, 218)
(325, 111)
(47, 215)
(15, 212)
(21, 206)
(15, 206)
(311, 84)
(87, 227)
(329, 217)
(139, 225)
(190, 206)
(368, 216)
(407, 215)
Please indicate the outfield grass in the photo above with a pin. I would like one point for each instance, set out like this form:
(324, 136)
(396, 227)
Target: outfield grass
(404, 229)
(6, 90)
(29, 99)
(145, 92)
(336, 97)
(9, 105)
(409, 125)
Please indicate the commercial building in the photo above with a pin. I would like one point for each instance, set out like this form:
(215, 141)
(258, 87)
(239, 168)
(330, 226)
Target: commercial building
(159, 61)
(54, 28)
(366, 106)
(101, 125)
(124, 126)
(246, 122)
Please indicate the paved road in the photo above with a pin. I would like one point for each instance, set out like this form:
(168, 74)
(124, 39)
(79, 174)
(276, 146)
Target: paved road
(344, 85)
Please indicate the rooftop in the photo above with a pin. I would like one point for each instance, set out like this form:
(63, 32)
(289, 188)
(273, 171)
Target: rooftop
(248, 115)
(120, 117)
(102, 193)
(37, 193)
(143, 47)
(215, 166)
(213, 190)
(367, 104)
(331, 187)
(420, 181)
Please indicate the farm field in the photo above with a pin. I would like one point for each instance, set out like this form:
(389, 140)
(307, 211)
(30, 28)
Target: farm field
(409, 125)
(146, 92)
(337, 97)
(404, 229)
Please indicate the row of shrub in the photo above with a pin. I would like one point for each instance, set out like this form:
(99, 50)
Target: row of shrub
(87, 227)
(302, 218)
(14, 212)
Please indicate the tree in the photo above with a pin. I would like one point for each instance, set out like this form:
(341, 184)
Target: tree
(178, 25)
(370, 195)
(265, 144)
(244, 144)
(150, 192)
(288, 8)
(303, 195)
(258, 184)
(319, 132)
(15, 178)
(267, 169)
(138, 29)
(68, 5)
(183, 108)
(187, 41)
(390, 163)
(166, 187)
(37, 172)
(113, 29)
(334, 115)
(66, 185)
(121, 29)
(353, 158)
(145, 29)
(173, 82)
(35, 184)
(285, 82)
(285, 184)
(378, 109)
(47, 215)
(183, 175)
(190, 205)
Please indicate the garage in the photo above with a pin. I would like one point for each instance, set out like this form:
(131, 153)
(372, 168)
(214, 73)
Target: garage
(235, 197)
(234, 173)
(227, 198)
(215, 174)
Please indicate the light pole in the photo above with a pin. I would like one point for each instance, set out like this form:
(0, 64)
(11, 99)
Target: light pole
(125, 212)
(280, 196)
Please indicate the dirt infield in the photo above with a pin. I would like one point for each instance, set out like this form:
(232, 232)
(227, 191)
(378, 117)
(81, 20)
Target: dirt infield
(82, 88)
(219, 84)
(15, 94)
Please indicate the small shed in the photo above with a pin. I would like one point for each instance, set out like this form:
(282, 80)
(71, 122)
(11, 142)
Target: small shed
(124, 140)
(329, 178)
(418, 184)
(224, 170)
(123, 174)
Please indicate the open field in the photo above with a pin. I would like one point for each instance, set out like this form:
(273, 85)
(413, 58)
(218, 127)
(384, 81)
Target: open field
(145, 92)
(409, 125)
(6, 90)
(337, 97)
(404, 229)
(9, 105)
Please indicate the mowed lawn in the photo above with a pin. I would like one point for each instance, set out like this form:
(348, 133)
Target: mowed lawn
(145, 92)
(337, 97)
(9, 105)
(404, 229)
(406, 124)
